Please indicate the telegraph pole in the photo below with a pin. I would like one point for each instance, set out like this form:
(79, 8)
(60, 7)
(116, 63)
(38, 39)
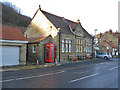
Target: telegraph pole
(95, 42)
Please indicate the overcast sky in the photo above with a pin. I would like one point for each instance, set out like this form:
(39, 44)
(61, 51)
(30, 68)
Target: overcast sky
(93, 14)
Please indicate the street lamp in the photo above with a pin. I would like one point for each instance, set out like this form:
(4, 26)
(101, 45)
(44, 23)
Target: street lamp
(95, 42)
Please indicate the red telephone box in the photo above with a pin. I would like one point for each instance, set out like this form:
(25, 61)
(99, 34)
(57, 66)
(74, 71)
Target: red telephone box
(49, 52)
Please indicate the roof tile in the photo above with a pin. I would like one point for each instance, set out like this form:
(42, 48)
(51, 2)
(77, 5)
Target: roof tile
(35, 39)
(111, 44)
(10, 33)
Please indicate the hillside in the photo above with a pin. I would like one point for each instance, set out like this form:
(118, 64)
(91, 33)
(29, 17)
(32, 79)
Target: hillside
(13, 18)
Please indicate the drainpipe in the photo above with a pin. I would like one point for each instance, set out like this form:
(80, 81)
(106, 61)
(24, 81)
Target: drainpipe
(59, 46)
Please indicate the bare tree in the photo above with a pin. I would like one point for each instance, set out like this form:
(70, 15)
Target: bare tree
(12, 6)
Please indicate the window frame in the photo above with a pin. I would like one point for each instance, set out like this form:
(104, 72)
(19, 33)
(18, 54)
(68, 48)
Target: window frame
(63, 45)
(33, 49)
(66, 45)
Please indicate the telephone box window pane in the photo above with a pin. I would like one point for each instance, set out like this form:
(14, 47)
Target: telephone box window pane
(52, 53)
(47, 53)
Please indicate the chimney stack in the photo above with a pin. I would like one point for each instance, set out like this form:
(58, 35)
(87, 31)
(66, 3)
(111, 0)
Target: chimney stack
(63, 18)
(78, 21)
(110, 31)
(100, 34)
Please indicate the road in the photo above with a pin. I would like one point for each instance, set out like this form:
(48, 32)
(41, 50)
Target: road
(88, 74)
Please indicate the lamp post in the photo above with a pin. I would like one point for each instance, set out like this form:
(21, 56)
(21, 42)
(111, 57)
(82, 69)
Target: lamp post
(95, 42)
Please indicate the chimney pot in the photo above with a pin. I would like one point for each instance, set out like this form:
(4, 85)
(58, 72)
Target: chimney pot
(40, 7)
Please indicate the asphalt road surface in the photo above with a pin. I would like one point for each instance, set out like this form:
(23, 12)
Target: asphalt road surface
(88, 74)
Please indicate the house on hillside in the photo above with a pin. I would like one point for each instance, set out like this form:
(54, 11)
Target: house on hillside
(68, 37)
(13, 46)
(108, 42)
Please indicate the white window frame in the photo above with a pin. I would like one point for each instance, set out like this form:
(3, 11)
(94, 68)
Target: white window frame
(90, 47)
(77, 43)
(70, 45)
(67, 45)
(33, 49)
(63, 45)
(81, 45)
(86, 47)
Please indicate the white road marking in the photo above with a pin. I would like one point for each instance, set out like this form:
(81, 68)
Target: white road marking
(96, 68)
(22, 78)
(96, 64)
(113, 68)
(83, 78)
(44, 75)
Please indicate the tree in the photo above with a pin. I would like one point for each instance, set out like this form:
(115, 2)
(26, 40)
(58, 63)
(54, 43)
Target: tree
(12, 6)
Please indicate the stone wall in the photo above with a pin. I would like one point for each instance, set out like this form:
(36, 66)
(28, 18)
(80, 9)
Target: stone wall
(64, 55)
(40, 48)
(39, 53)
(23, 54)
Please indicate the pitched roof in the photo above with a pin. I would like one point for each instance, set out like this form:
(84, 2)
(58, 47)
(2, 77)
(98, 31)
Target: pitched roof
(59, 22)
(10, 33)
(104, 41)
(111, 44)
(36, 39)
(106, 48)
(63, 24)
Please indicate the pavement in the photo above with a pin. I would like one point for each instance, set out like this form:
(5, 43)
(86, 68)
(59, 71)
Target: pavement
(24, 67)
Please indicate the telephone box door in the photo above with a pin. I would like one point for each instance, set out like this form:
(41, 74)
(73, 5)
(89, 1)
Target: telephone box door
(49, 52)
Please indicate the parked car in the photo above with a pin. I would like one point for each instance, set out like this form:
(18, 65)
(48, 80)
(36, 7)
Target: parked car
(103, 55)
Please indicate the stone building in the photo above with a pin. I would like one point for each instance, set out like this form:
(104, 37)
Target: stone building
(69, 37)
(108, 42)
